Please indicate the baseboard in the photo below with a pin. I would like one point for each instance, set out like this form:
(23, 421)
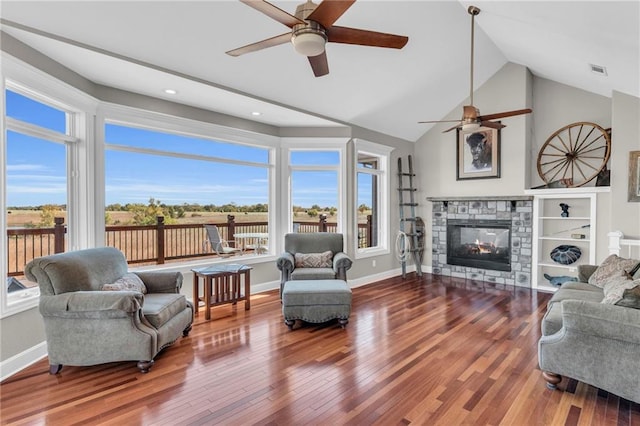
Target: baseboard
(22, 360)
(262, 287)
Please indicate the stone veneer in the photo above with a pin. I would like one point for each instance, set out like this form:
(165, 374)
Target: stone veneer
(518, 209)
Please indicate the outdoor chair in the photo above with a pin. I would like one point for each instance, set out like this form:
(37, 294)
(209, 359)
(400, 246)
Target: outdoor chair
(218, 244)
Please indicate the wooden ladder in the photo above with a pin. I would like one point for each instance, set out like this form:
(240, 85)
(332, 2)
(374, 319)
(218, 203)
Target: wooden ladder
(411, 225)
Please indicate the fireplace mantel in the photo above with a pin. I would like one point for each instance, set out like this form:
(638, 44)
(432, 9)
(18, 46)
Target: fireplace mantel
(483, 198)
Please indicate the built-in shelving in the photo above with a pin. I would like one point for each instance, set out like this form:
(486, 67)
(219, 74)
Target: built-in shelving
(550, 230)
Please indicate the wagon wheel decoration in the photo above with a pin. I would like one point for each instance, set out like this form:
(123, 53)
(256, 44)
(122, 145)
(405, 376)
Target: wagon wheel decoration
(575, 154)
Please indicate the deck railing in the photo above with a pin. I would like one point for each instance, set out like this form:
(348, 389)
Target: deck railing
(150, 244)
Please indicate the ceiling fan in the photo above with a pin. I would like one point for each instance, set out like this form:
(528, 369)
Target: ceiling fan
(312, 27)
(471, 119)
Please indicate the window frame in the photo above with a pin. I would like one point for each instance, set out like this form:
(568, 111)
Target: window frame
(153, 121)
(78, 106)
(383, 153)
(290, 145)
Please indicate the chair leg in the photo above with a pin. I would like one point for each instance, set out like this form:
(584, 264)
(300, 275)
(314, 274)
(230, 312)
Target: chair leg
(144, 366)
(552, 379)
(187, 330)
(343, 322)
(289, 323)
(55, 368)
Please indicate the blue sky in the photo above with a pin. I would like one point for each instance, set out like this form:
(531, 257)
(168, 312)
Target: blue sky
(36, 169)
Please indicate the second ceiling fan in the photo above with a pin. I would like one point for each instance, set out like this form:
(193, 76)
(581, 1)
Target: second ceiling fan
(312, 27)
(471, 119)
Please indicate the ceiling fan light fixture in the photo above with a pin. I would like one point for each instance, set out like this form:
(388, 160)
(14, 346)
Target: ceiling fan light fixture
(470, 127)
(309, 43)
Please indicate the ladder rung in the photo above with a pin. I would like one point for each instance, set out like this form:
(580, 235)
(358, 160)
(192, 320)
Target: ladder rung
(409, 219)
(406, 174)
(408, 204)
(407, 189)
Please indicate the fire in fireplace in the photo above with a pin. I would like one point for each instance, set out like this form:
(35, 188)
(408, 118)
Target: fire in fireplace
(481, 244)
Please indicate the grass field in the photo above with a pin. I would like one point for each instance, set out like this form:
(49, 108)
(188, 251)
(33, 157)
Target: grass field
(21, 218)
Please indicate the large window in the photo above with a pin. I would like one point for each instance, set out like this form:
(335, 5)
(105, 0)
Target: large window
(187, 181)
(315, 190)
(372, 163)
(38, 144)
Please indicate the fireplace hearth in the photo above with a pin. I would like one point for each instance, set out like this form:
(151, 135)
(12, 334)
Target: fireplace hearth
(481, 244)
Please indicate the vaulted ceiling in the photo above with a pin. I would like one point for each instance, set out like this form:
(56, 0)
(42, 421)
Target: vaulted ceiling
(148, 46)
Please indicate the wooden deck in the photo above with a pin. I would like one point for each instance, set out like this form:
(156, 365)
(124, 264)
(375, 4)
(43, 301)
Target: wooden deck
(416, 351)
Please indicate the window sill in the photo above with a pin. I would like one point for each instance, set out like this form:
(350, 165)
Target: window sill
(371, 252)
(20, 301)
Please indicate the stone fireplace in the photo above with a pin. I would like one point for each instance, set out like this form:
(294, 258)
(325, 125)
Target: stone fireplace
(483, 238)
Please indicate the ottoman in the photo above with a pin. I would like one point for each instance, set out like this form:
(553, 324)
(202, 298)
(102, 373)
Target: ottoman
(316, 301)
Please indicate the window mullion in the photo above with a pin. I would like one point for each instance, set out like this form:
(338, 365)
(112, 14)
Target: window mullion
(29, 129)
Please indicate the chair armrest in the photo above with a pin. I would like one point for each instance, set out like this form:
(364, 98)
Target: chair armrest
(286, 262)
(602, 320)
(91, 304)
(585, 271)
(161, 281)
(341, 261)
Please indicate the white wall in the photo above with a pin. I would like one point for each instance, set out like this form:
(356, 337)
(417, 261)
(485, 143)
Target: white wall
(556, 105)
(625, 119)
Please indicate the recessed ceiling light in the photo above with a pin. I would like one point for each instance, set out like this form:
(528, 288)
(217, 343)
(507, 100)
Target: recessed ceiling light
(256, 113)
(598, 69)
(170, 91)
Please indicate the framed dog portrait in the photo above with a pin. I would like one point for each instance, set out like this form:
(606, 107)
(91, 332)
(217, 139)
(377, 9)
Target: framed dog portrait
(478, 154)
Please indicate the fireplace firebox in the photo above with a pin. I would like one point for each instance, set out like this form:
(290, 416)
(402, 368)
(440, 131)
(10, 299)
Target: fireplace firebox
(483, 244)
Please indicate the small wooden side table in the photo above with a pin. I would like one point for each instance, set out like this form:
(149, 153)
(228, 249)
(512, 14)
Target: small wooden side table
(222, 284)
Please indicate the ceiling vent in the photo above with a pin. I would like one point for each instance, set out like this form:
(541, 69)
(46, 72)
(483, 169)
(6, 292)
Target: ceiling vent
(598, 69)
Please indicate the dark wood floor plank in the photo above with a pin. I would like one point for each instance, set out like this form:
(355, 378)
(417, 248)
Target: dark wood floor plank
(420, 350)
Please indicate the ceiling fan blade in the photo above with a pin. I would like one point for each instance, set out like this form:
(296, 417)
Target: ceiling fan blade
(439, 121)
(270, 42)
(328, 12)
(504, 114)
(365, 38)
(452, 128)
(319, 64)
(492, 124)
(273, 12)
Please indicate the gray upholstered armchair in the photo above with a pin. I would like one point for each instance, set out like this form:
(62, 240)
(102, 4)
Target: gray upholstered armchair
(86, 326)
(313, 243)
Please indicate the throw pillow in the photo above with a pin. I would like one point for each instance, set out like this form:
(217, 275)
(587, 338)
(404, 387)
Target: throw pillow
(615, 289)
(631, 297)
(612, 267)
(635, 272)
(128, 282)
(314, 260)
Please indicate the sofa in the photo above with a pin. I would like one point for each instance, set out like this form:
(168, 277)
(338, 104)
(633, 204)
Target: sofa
(95, 311)
(313, 256)
(591, 329)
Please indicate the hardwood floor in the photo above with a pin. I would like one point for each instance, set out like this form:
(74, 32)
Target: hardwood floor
(424, 350)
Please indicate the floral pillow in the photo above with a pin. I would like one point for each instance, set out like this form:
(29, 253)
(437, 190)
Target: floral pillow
(622, 291)
(314, 260)
(128, 282)
(612, 267)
